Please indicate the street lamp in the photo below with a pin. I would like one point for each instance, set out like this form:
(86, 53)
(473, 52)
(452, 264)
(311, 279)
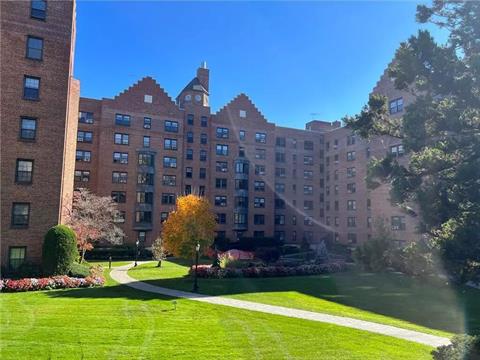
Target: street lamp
(136, 252)
(195, 283)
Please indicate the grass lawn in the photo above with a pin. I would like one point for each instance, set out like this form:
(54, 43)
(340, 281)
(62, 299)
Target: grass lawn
(387, 298)
(116, 322)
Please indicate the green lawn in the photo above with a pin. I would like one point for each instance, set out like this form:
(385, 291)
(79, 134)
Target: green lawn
(116, 322)
(388, 298)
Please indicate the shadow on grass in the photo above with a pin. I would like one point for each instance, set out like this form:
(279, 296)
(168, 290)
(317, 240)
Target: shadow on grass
(441, 307)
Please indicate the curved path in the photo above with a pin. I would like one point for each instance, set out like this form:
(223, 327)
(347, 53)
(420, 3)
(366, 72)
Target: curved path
(120, 275)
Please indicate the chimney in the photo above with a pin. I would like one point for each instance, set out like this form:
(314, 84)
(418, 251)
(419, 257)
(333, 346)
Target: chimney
(203, 75)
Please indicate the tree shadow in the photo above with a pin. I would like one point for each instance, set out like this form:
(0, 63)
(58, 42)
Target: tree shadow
(447, 308)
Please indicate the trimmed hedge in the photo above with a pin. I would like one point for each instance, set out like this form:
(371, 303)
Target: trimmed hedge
(59, 250)
(79, 270)
(207, 271)
(50, 283)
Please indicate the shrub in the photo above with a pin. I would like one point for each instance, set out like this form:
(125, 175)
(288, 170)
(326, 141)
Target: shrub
(463, 347)
(267, 254)
(59, 250)
(79, 270)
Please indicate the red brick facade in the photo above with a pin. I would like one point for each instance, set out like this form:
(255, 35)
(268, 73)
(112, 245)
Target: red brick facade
(37, 162)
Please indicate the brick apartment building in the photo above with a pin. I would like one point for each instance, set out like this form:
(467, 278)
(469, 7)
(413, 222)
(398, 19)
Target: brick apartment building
(39, 110)
(144, 149)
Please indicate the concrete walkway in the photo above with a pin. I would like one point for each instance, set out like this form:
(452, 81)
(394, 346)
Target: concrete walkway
(120, 275)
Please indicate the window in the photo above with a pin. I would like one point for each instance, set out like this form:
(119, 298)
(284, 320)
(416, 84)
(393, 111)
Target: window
(336, 189)
(279, 188)
(144, 197)
(308, 145)
(351, 140)
(119, 196)
(147, 123)
(34, 48)
(397, 150)
(85, 117)
(396, 106)
(367, 152)
(169, 162)
(171, 126)
(188, 172)
(260, 170)
(398, 223)
(369, 222)
(240, 218)
(280, 172)
(190, 119)
(170, 144)
(241, 167)
(189, 154)
(20, 214)
(294, 236)
(222, 150)
(351, 205)
(279, 203)
(188, 189)
(259, 219)
(280, 157)
(241, 135)
(259, 185)
(335, 158)
(31, 87)
(221, 166)
(28, 128)
(336, 205)
(335, 175)
(169, 180)
(350, 155)
(260, 138)
(222, 133)
(307, 189)
(260, 154)
(146, 141)
(280, 141)
(84, 136)
(168, 199)
(294, 220)
(369, 204)
(16, 256)
(279, 219)
(307, 205)
(201, 189)
(145, 179)
(259, 202)
(241, 202)
(163, 216)
(327, 221)
(203, 139)
(241, 151)
(122, 119)
(220, 183)
(120, 158)
(351, 221)
(308, 174)
(145, 159)
(335, 144)
(203, 155)
(241, 184)
(38, 9)
(24, 171)
(220, 201)
(351, 188)
(351, 172)
(352, 238)
(143, 217)
(308, 160)
(82, 175)
(202, 173)
(221, 218)
(121, 139)
(203, 121)
(83, 156)
(190, 137)
(308, 221)
(243, 114)
(119, 177)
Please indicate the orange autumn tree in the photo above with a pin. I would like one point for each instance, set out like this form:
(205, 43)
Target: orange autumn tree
(192, 222)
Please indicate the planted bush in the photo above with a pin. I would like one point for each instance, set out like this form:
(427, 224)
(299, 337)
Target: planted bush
(59, 250)
(463, 347)
(79, 270)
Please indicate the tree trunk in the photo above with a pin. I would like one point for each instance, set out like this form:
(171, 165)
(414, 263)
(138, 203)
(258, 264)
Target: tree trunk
(82, 258)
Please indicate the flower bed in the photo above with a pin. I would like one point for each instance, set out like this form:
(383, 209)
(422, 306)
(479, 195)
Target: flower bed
(207, 271)
(50, 283)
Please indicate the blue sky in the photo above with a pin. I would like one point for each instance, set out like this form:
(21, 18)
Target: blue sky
(292, 58)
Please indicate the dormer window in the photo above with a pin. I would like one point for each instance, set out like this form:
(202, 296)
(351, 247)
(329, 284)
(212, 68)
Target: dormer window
(243, 114)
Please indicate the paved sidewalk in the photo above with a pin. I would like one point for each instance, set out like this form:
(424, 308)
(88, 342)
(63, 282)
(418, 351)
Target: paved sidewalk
(120, 275)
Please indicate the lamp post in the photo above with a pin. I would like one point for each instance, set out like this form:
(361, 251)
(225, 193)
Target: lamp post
(195, 282)
(136, 251)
